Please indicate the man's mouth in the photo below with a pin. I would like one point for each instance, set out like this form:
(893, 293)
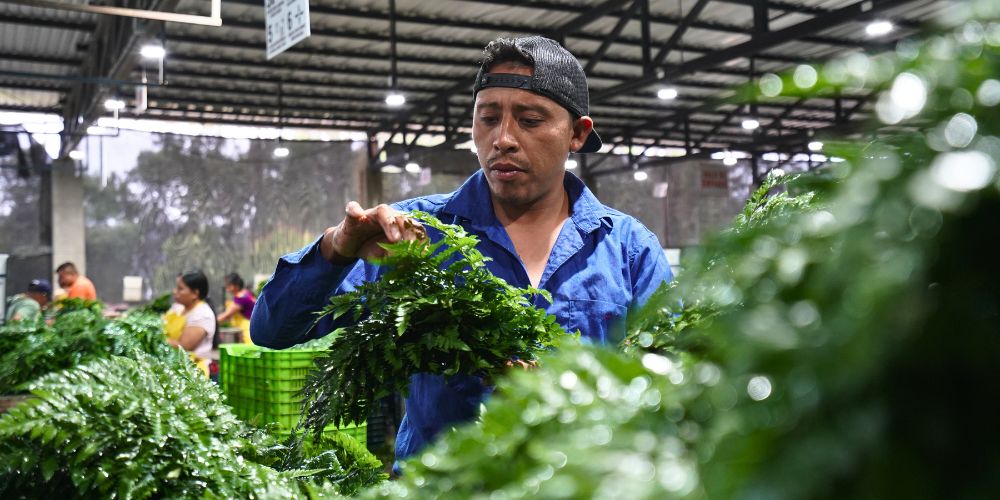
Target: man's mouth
(504, 170)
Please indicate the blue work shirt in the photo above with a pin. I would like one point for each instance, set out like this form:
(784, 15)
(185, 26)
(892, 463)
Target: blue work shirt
(602, 264)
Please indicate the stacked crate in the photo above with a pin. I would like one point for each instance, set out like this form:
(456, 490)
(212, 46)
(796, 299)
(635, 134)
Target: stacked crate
(264, 385)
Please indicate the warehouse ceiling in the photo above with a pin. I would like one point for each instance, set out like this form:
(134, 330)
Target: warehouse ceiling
(56, 57)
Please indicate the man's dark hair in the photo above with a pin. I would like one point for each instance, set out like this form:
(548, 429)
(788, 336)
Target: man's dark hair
(235, 279)
(66, 266)
(505, 50)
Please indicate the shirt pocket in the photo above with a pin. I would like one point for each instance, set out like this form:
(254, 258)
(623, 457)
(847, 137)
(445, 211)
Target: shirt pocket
(598, 320)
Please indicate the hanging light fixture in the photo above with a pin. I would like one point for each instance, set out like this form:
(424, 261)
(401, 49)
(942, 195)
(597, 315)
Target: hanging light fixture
(114, 104)
(153, 51)
(879, 28)
(411, 166)
(394, 98)
(751, 124)
(729, 159)
(667, 93)
(280, 151)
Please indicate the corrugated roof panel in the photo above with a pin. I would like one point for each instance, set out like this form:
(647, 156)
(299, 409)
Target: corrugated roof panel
(19, 98)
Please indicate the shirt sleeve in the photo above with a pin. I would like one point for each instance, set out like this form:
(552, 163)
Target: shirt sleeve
(203, 318)
(649, 268)
(302, 284)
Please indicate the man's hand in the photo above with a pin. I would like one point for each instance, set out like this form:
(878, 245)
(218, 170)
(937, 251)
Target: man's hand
(358, 235)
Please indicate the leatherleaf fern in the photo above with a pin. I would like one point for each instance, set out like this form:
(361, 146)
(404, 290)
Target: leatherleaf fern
(437, 309)
(29, 350)
(131, 428)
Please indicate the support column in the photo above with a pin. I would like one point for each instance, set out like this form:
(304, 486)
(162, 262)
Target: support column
(68, 226)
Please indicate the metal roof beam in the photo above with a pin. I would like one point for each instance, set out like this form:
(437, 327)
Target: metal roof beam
(808, 9)
(596, 57)
(757, 44)
(215, 19)
(333, 52)
(108, 57)
(674, 20)
(675, 37)
(582, 20)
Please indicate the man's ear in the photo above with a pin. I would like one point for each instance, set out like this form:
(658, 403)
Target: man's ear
(581, 129)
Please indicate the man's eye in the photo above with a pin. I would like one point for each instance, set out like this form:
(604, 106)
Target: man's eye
(530, 122)
(488, 120)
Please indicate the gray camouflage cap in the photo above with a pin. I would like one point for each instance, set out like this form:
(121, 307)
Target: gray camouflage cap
(557, 75)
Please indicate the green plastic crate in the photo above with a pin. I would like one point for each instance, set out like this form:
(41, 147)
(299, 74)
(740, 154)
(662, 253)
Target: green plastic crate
(264, 385)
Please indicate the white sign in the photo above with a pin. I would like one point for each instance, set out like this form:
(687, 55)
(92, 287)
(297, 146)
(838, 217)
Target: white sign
(286, 22)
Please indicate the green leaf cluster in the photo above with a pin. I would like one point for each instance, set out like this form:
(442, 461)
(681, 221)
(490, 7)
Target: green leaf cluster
(844, 348)
(144, 427)
(689, 303)
(437, 309)
(589, 423)
(78, 333)
(68, 305)
(159, 305)
(131, 428)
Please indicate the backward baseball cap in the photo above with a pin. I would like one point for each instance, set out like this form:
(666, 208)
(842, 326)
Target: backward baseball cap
(557, 75)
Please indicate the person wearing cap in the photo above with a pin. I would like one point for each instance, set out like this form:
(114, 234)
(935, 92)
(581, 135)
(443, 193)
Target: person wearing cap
(74, 284)
(538, 223)
(28, 306)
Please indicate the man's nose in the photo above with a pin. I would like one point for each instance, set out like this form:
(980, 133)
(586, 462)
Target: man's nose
(506, 139)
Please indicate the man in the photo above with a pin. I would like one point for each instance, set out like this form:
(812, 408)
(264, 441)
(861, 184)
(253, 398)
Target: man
(28, 306)
(75, 285)
(541, 226)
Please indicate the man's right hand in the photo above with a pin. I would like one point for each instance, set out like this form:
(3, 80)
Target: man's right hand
(358, 235)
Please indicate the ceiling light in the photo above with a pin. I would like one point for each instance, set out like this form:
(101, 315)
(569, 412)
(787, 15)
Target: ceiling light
(153, 51)
(391, 169)
(76, 154)
(280, 152)
(751, 124)
(815, 146)
(570, 164)
(395, 99)
(667, 93)
(413, 167)
(640, 175)
(114, 104)
(729, 160)
(878, 28)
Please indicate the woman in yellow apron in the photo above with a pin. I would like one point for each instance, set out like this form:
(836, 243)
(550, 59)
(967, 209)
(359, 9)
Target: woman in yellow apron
(190, 322)
(240, 307)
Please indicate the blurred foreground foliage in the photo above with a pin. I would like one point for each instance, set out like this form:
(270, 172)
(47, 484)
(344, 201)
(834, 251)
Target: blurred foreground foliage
(839, 344)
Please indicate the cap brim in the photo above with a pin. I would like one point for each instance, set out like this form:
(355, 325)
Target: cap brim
(593, 143)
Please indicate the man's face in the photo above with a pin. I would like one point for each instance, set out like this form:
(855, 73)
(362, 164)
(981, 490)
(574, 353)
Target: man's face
(39, 297)
(522, 140)
(66, 278)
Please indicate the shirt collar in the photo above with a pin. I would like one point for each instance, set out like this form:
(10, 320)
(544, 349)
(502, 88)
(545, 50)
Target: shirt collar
(471, 201)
